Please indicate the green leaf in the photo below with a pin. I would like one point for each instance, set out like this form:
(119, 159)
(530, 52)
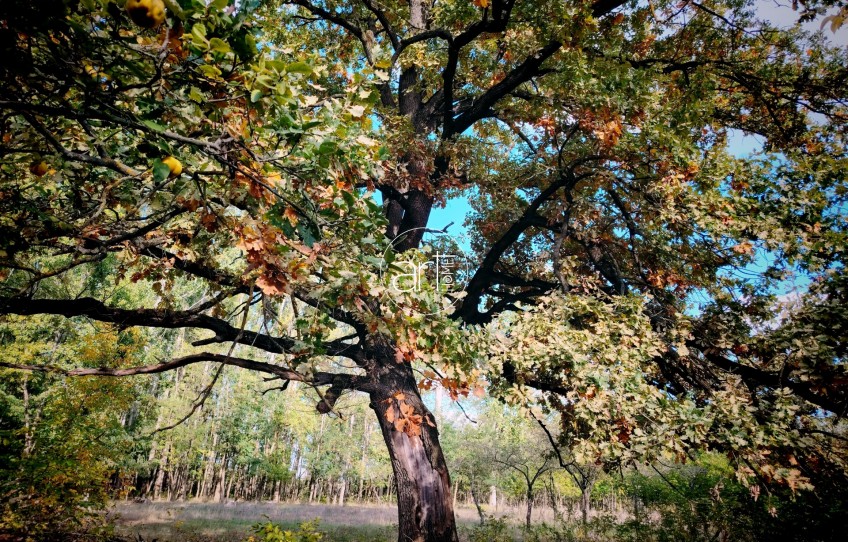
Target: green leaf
(160, 171)
(327, 147)
(199, 31)
(299, 67)
(155, 126)
(307, 233)
(219, 46)
(210, 71)
(195, 95)
(244, 44)
(255, 96)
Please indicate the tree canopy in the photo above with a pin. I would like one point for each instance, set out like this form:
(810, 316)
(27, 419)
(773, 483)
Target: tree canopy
(629, 268)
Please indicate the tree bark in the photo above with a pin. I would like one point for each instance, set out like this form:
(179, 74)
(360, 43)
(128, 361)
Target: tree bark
(422, 482)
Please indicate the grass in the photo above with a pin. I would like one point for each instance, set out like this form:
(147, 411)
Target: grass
(232, 522)
(212, 522)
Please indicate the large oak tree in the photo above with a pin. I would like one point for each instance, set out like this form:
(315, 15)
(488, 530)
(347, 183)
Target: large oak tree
(626, 263)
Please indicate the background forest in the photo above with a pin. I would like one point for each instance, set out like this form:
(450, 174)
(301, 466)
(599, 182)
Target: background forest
(72, 446)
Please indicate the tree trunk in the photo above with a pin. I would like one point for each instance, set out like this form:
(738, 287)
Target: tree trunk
(585, 503)
(455, 492)
(220, 489)
(477, 504)
(160, 473)
(425, 509)
(342, 488)
(529, 506)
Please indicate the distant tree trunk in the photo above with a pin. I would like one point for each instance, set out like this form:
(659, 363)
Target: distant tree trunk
(342, 487)
(455, 492)
(554, 498)
(28, 436)
(231, 485)
(160, 473)
(209, 470)
(425, 509)
(529, 506)
(585, 503)
(220, 489)
(364, 459)
(477, 504)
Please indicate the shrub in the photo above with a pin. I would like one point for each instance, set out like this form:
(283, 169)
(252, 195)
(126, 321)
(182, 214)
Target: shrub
(268, 532)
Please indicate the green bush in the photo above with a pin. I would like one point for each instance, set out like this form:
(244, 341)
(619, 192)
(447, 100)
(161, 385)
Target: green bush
(492, 530)
(268, 532)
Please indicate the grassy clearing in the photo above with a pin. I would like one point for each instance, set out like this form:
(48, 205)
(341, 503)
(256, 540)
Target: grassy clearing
(231, 522)
(208, 522)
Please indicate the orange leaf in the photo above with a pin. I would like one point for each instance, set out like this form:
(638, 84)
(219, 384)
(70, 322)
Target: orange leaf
(291, 215)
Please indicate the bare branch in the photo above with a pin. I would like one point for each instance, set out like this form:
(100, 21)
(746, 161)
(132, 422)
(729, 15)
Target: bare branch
(384, 21)
(78, 156)
(338, 20)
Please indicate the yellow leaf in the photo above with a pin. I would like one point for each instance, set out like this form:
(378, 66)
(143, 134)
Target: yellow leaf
(744, 248)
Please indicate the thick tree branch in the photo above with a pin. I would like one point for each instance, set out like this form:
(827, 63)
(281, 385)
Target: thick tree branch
(603, 7)
(423, 36)
(99, 114)
(222, 279)
(224, 332)
(752, 376)
(482, 106)
(77, 156)
(468, 311)
(345, 381)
